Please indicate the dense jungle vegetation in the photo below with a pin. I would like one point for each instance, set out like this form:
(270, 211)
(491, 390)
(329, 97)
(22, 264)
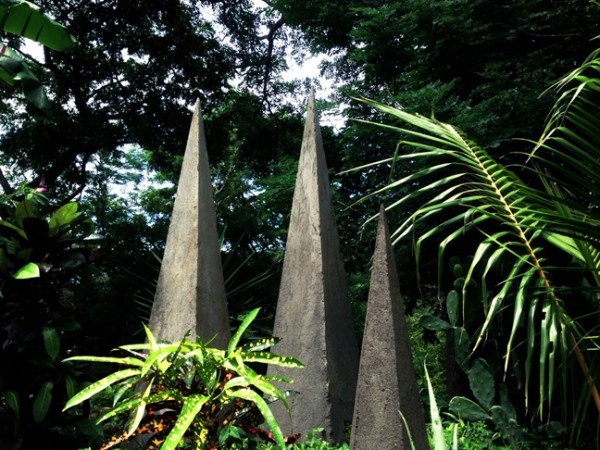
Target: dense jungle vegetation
(495, 216)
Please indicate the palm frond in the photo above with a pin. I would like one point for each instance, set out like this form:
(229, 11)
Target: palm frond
(462, 183)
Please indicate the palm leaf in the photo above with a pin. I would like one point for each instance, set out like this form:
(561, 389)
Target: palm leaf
(463, 180)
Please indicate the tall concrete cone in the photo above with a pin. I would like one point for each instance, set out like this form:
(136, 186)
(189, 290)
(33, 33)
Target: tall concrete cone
(387, 384)
(190, 294)
(313, 313)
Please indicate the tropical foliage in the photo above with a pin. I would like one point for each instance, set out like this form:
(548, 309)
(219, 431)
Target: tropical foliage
(531, 235)
(189, 392)
(41, 252)
(25, 19)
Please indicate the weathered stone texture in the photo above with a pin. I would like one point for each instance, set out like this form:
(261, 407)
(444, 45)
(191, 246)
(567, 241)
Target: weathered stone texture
(313, 313)
(386, 382)
(190, 294)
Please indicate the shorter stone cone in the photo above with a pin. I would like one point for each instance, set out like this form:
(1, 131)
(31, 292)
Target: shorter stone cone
(190, 295)
(387, 384)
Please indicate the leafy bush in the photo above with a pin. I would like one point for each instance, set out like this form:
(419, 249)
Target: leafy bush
(39, 254)
(187, 392)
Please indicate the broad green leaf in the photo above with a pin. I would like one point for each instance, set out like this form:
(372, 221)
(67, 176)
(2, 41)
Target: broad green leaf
(51, 342)
(29, 270)
(434, 323)
(41, 404)
(100, 385)
(467, 409)
(240, 331)
(452, 306)
(63, 216)
(190, 409)
(26, 209)
(15, 71)
(481, 381)
(25, 19)
(13, 228)
(505, 402)
(248, 394)
(462, 347)
(12, 400)
(70, 386)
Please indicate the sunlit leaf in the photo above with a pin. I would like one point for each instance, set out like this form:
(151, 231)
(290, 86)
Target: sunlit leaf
(29, 270)
(271, 358)
(99, 386)
(262, 406)
(25, 19)
(240, 331)
(128, 361)
(191, 407)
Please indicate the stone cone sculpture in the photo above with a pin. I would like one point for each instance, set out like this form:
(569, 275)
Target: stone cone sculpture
(313, 313)
(387, 384)
(190, 295)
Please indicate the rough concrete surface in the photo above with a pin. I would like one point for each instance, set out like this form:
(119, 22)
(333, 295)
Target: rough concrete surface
(387, 382)
(190, 294)
(313, 313)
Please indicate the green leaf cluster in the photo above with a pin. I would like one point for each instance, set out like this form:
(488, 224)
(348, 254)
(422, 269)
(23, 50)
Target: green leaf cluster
(31, 244)
(25, 19)
(195, 391)
(38, 249)
(529, 233)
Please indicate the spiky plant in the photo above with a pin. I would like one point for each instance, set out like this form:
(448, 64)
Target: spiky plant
(540, 233)
(187, 392)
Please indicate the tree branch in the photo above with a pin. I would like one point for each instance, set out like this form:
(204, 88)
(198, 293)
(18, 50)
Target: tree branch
(269, 58)
(6, 187)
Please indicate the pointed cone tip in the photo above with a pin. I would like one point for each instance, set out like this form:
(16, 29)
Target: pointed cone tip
(197, 106)
(383, 232)
(382, 216)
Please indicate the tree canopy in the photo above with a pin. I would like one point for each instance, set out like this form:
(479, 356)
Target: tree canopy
(118, 108)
